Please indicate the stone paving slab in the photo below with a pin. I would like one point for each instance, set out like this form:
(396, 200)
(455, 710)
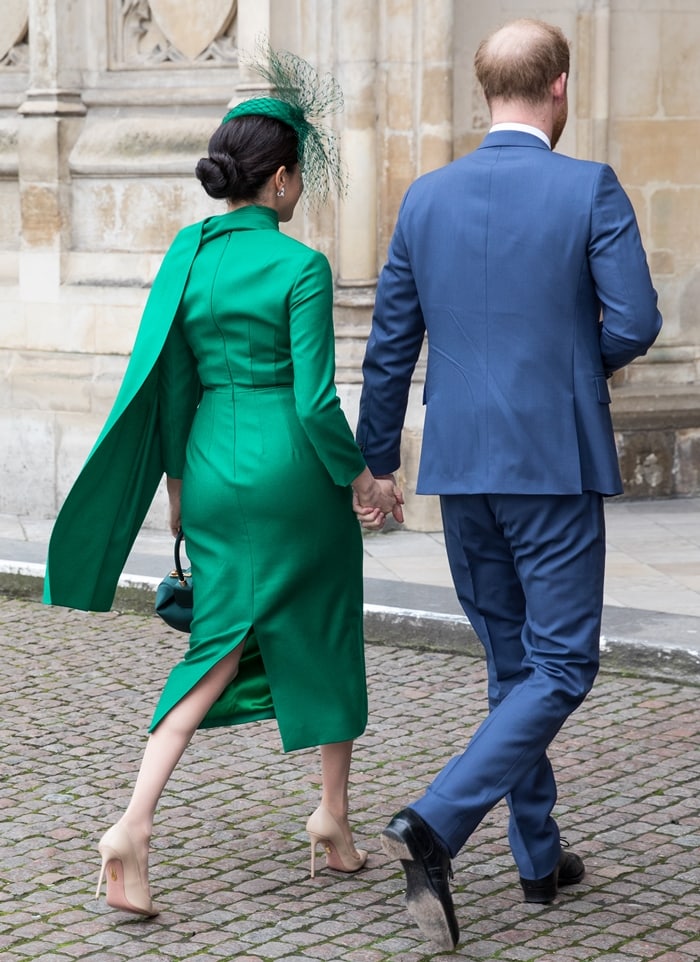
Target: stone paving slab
(230, 859)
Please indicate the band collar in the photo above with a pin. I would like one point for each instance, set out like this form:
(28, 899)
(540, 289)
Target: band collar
(251, 217)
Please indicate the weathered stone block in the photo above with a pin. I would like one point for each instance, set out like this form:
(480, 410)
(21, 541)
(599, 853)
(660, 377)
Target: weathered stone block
(38, 149)
(661, 262)
(635, 43)
(655, 151)
(689, 305)
(134, 215)
(657, 434)
(109, 373)
(42, 218)
(59, 327)
(75, 435)
(120, 270)
(436, 96)
(398, 150)
(116, 326)
(142, 146)
(51, 386)
(646, 463)
(50, 382)
(435, 152)
(398, 29)
(687, 461)
(27, 445)
(13, 325)
(680, 56)
(399, 93)
(6, 361)
(9, 215)
(674, 222)
(9, 161)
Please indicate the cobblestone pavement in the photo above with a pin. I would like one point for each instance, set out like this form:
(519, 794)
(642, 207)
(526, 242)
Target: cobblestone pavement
(230, 857)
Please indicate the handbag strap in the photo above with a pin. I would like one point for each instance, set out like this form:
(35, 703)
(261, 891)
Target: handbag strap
(178, 565)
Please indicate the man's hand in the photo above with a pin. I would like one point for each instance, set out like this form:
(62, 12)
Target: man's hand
(397, 510)
(375, 498)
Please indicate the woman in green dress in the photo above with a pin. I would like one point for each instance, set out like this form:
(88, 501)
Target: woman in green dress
(236, 391)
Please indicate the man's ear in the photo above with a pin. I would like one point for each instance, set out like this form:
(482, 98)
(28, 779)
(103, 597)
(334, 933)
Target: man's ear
(559, 86)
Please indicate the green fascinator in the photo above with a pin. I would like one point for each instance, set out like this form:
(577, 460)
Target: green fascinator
(300, 98)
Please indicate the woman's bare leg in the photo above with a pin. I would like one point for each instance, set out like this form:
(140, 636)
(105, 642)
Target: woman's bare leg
(335, 774)
(167, 744)
(329, 823)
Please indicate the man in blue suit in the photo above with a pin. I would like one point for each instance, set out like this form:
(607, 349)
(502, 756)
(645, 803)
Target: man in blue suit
(527, 272)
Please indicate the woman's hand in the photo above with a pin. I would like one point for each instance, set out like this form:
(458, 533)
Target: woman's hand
(375, 498)
(174, 486)
(370, 518)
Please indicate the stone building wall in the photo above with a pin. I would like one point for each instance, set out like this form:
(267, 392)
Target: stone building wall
(106, 105)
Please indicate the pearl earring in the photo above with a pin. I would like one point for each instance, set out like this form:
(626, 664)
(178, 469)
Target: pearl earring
(280, 192)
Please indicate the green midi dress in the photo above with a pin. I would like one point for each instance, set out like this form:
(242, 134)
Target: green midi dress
(248, 416)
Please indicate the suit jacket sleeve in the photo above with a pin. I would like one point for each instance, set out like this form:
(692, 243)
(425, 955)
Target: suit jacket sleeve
(630, 318)
(312, 345)
(392, 351)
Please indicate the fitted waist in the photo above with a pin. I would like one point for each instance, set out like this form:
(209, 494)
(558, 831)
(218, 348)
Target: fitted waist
(234, 388)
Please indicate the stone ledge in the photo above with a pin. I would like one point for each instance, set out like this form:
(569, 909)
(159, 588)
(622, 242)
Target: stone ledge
(659, 408)
(658, 440)
(138, 146)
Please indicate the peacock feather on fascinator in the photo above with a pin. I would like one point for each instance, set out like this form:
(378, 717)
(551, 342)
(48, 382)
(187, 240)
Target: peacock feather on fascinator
(300, 98)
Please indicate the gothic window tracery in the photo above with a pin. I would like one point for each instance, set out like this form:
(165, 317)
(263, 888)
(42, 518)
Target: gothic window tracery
(155, 33)
(14, 45)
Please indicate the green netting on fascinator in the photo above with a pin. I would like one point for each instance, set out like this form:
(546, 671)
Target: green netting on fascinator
(300, 97)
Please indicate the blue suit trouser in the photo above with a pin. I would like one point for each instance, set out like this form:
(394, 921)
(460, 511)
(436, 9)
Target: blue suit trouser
(529, 572)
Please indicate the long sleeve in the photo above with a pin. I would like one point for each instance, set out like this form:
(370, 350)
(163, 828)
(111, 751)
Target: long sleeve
(313, 359)
(631, 320)
(179, 392)
(392, 351)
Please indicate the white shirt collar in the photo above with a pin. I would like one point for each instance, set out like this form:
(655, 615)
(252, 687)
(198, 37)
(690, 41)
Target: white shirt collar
(524, 128)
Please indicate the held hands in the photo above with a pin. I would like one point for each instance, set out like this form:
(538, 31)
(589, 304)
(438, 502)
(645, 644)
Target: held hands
(375, 498)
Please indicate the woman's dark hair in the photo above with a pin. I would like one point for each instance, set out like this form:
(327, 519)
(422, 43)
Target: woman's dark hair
(244, 153)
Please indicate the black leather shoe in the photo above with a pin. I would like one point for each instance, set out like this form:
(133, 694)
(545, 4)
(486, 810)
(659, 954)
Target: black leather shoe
(569, 871)
(426, 863)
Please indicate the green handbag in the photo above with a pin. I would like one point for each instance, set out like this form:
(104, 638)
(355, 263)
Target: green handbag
(174, 594)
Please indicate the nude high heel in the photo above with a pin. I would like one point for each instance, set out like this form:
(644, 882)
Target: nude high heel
(336, 839)
(127, 884)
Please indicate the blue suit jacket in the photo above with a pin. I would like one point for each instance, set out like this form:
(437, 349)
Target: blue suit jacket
(527, 271)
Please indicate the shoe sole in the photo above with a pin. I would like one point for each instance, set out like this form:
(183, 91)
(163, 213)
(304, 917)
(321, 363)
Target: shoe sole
(540, 899)
(425, 909)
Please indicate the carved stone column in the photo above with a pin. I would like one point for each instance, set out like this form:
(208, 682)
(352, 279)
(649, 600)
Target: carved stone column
(436, 128)
(48, 129)
(415, 99)
(357, 39)
(253, 22)
(593, 101)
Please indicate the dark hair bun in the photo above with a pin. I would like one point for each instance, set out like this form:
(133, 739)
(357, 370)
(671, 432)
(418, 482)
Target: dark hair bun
(243, 154)
(218, 174)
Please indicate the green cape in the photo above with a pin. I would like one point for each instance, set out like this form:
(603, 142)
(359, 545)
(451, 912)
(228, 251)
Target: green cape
(101, 517)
